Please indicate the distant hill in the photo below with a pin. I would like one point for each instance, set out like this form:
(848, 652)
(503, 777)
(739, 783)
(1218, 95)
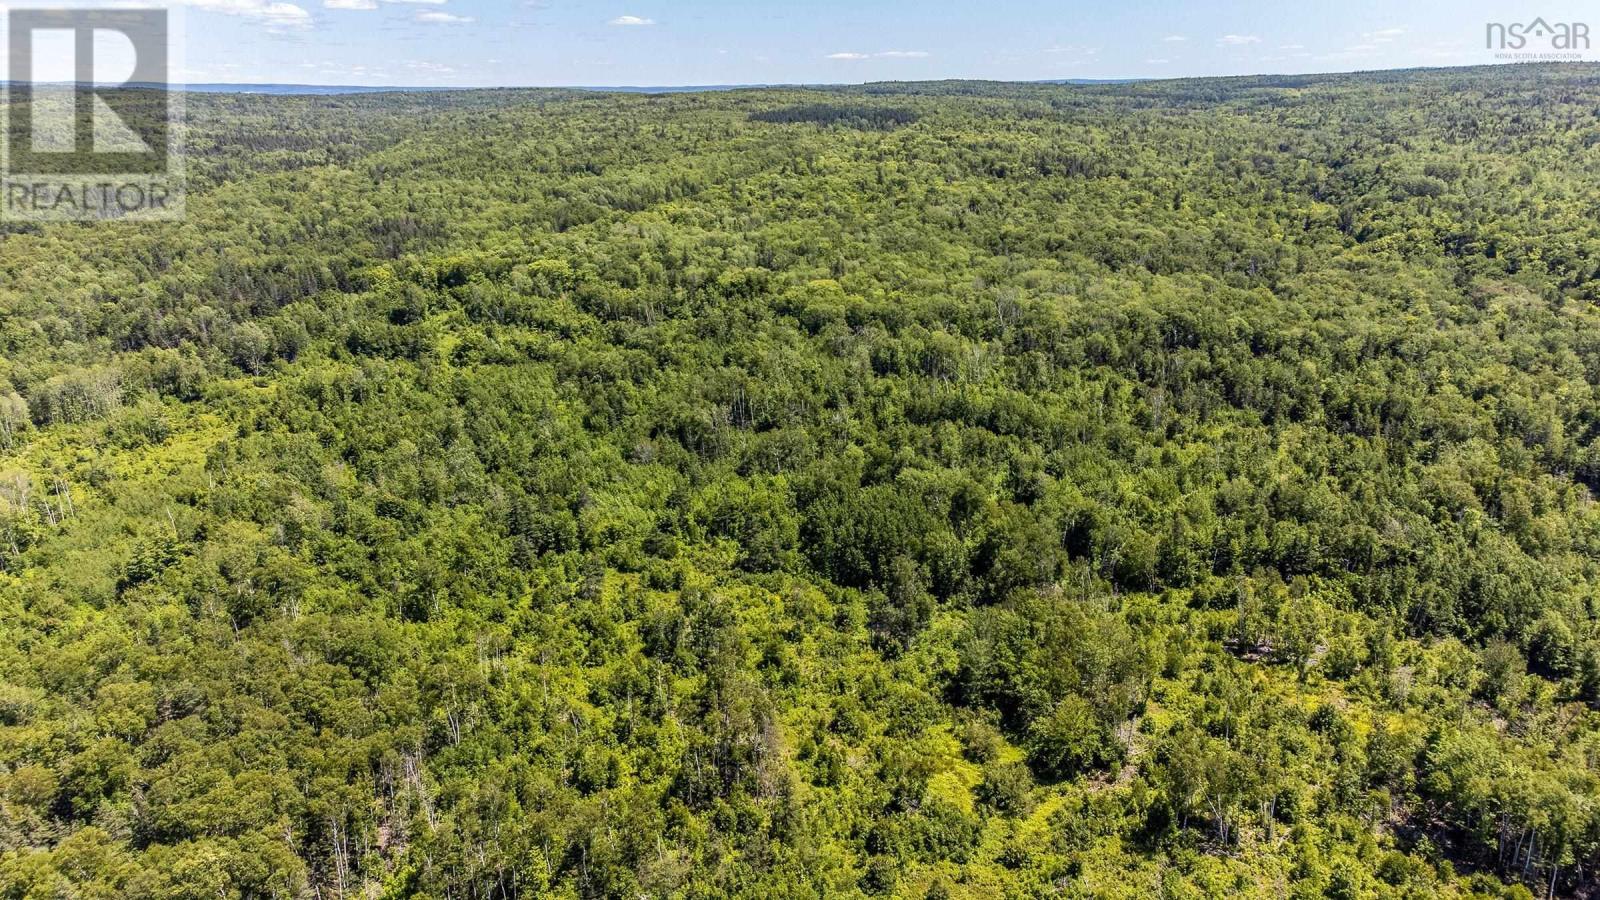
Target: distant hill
(222, 87)
(289, 89)
(1089, 81)
(325, 89)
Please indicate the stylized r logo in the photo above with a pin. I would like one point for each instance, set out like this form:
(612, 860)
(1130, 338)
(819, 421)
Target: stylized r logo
(83, 125)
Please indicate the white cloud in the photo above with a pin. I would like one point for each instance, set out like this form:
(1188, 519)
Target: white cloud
(350, 4)
(274, 13)
(1073, 56)
(1291, 46)
(882, 54)
(284, 14)
(1382, 36)
(1444, 50)
(1354, 51)
(1157, 62)
(1174, 38)
(630, 21)
(1237, 40)
(436, 17)
(347, 73)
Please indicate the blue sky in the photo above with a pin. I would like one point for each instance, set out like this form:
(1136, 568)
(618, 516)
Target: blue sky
(672, 42)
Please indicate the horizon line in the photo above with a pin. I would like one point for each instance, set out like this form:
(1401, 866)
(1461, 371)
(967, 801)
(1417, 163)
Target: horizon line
(289, 87)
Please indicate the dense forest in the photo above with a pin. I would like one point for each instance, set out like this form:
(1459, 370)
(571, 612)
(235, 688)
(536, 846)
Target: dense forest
(960, 489)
